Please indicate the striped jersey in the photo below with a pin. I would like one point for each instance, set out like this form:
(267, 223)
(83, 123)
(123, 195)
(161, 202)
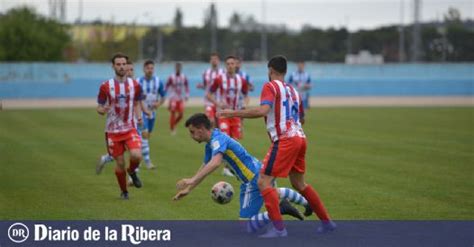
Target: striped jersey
(152, 90)
(121, 98)
(230, 89)
(244, 166)
(298, 80)
(208, 78)
(177, 88)
(283, 120)
(244, 75)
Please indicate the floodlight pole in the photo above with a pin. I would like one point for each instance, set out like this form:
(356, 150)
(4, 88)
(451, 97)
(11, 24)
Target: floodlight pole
(416, 31)
(401, 34)
(263, 40)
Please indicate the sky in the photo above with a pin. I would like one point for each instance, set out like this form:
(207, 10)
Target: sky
(354, 14)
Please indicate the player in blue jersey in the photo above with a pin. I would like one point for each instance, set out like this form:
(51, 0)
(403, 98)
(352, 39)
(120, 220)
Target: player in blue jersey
(154, 91)
(243, 74)
(222, 148)
(301, 81)
(243, 101)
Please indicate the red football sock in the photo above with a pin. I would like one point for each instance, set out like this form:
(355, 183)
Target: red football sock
(180, 115)
(315, 202)
(172, 120)
(121, 178)
(270, 196)
(133, 165)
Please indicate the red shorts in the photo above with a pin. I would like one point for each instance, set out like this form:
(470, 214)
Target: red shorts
(211, 112)
(117, 143)
(176, 106)
(231, 126)
(285, 156)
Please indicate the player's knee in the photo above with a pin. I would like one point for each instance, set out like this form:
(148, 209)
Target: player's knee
(145, 134)
(136, 156)
(120, 164)
(263, 183)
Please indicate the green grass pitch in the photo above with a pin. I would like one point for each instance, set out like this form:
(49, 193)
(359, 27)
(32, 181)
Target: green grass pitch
(366, 163)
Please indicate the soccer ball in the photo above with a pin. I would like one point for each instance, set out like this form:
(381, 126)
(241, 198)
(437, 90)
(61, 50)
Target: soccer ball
(222, 192)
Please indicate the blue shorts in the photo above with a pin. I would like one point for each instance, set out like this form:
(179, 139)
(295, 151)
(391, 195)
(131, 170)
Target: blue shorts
(148, 124)
(251, 201)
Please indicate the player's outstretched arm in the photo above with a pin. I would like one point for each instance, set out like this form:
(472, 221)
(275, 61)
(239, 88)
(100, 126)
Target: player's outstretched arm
(256, 112)
(186, 185)
(211, 166)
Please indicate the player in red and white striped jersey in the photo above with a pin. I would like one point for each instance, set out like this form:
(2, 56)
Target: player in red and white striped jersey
(280, 104)
(208, 78)
(119, 98)
(229, 86)
(177, 91)
(107, 158)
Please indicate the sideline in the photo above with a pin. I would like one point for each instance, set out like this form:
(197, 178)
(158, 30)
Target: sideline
(349, 101)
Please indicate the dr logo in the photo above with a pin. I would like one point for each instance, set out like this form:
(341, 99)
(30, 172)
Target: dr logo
(18, 233)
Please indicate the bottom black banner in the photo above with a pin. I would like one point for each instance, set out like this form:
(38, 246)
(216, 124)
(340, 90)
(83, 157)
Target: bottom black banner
(233, 233)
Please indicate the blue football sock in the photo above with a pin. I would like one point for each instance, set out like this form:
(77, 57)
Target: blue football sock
(258, 221)
(109, 158)
(292, 196)
(146, 150)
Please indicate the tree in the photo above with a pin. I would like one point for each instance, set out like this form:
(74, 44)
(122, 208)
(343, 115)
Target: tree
(27, 36)
(235, 22)
(210, 23)
(453, 15)
(210, 16)
(178, 19)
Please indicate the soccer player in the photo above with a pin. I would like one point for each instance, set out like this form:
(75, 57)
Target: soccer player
(243, 74)
(154, 92)
(302, 82)
(229, 87)
(219, 148)
(119, 98)
(177, 90)
(243, 101)
(280, 104)
(107, 158)
(208, 78)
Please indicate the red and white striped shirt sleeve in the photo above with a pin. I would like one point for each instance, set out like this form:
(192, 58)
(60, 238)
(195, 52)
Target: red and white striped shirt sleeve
(138, 91)
(102, 96)
(245, 86)
(268, 94)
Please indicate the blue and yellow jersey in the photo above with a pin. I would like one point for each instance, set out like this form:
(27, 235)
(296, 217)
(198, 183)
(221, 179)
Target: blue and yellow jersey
(241, 163)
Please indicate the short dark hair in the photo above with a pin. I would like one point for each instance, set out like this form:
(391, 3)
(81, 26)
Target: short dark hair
(198, 120)
(230, 57)
(147, 62)
(118, 55)
(214, 54)
(278, 63)
(129, 62)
